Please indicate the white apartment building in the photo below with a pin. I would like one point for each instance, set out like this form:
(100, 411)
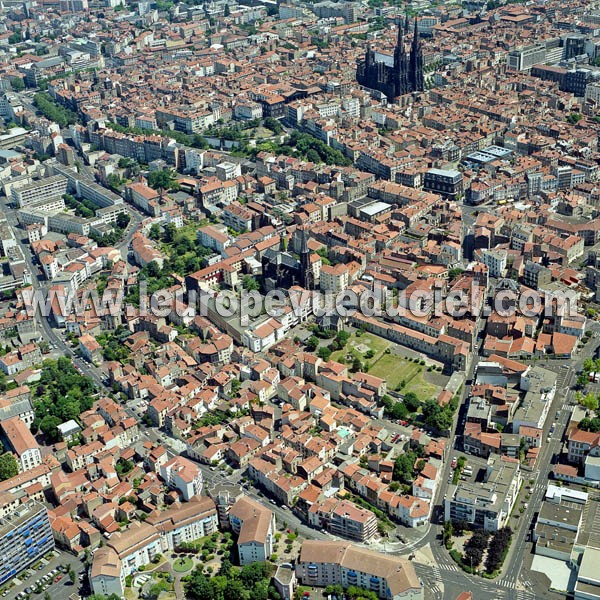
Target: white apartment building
(31, 191)
(183, 475)
(255, 526)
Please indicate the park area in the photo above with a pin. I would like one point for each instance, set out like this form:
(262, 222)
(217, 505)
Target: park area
(385, 359)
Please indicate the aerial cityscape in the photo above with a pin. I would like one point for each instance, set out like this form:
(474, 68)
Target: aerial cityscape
(300, 300)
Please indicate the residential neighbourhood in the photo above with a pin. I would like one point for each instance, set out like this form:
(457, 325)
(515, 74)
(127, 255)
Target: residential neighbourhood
(300, 300)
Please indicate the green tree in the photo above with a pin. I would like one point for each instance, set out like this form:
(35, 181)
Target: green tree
(49, 427)
(437, 417)
(53, 111)
(198, 586)
(312, 343)
(8, 466)
(123, 220)
(114, 182)
(154, 233)
(169, 233)
(404, 470)
(592, 425)
(274, 125)
(250, 283)
(17, 84)
(163, 179)
(313, 156)
(411, 401)
(342, 337)
(398, 411)
(324, 353)
(590, 401)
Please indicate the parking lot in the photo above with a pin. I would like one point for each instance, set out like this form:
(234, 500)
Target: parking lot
(48, 577)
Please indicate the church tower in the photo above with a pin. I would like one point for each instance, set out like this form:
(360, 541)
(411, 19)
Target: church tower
(306, 272)
(401, 81)
(417, 79)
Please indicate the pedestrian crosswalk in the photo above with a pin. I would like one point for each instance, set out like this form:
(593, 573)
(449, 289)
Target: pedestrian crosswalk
(525, 595)
(507, 583)
(448, 567)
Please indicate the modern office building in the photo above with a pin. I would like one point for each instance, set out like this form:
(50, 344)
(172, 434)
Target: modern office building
(42, 189)
(25, 537)
(486, 505)
(446, 182)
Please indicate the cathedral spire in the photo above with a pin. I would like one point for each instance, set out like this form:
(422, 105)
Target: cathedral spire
(401, 82)
(400, 38)
(415, 42)
(417, 80)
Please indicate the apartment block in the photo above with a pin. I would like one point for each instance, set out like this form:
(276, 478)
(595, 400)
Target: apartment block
(323, 563)
(25, 536)
(255, 526)
(36, 191)
(486, 505)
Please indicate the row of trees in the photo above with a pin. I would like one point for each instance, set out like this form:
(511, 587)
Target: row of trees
(54, 111)
(194, 141)
(352, 592)
(587, 424)
(401, 409)
(475, 547)
(496, 545)
(589, 366)
(498, 549)
(83, 208)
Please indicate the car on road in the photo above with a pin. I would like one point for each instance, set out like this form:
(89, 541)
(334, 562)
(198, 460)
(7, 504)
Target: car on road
(453, 463)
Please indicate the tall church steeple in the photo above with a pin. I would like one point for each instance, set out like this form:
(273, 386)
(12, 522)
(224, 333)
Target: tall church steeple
(401, 64)
(306, 271)
(417, 80)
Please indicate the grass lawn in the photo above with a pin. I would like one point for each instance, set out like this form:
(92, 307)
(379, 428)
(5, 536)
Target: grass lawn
(395, 369)
(261, 133)
(354, 347)
(181, 565)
